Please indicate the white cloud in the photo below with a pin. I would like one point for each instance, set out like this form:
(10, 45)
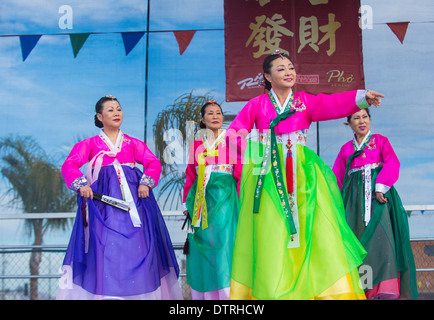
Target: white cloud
(398, 11)
(200, 14)
(35, 16)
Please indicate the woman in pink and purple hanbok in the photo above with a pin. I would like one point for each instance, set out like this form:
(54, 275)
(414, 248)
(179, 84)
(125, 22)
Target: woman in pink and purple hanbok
(114, 254)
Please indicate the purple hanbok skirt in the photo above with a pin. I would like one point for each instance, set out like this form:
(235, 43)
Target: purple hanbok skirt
(112, 259)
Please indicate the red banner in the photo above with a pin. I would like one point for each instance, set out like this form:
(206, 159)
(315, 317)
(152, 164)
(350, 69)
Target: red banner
(322, 37)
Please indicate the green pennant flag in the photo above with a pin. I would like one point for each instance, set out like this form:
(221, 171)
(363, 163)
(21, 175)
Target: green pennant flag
(77, 41)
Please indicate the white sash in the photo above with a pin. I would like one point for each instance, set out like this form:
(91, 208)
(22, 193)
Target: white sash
(98, 159)
(367, 181)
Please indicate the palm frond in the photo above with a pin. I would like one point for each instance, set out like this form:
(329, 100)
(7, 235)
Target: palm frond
(34, 180)
(183, 115)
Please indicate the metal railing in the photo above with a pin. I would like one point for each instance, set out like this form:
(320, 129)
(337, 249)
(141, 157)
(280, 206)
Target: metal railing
(15, 284)
(14, 270)
(14, 249)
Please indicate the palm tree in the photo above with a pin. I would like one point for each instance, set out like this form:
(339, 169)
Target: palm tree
(40, 187)
(183, 116)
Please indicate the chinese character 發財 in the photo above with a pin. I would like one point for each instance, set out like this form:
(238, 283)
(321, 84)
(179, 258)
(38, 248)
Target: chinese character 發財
(267, 38)
(309, 33)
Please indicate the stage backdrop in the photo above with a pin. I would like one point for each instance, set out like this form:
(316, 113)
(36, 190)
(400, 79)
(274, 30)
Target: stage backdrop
(322, 37)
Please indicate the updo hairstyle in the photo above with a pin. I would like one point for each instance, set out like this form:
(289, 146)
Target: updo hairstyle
(266, 66)
(99, 107)
(202, 111)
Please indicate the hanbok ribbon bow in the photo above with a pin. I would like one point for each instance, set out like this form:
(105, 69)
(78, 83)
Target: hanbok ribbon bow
(200, 210)
(96, 164)
(276, 171)
(354, 155)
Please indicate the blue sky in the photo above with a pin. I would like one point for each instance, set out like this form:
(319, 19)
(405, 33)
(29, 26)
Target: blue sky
(51, 96)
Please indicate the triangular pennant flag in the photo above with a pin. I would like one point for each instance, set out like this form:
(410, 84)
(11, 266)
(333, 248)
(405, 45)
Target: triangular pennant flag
(183, 38)
(27, 44)
(77, 41)
(130, 40)
(399, 29)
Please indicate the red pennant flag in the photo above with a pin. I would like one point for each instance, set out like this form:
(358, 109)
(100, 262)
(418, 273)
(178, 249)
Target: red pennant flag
(183, 38)
(399, 29)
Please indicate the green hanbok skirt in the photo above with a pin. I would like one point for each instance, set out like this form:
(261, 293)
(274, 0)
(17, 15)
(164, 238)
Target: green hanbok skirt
(389, 263)
(209, 259)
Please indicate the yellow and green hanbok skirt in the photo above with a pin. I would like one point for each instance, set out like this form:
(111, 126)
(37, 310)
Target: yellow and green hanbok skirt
(320, 261)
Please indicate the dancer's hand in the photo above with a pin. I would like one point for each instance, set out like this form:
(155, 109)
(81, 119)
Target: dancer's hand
(86, 192)
(373, 97)
(380, 197)
(143, 191)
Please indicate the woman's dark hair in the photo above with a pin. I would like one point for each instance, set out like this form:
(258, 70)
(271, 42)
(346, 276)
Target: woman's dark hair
(367, 111)
(202, 111)
(99, 107)
(266, 66)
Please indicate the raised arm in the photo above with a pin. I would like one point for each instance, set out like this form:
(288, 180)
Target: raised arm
(324, 107)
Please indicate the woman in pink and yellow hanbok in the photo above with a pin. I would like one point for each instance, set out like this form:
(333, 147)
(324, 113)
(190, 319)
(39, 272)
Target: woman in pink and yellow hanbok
(292, 239)
(211, 200)
(114, 254)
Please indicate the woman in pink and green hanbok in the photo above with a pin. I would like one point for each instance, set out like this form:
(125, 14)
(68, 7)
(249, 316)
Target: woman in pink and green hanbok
(367, 169)
(292, 239)
(114, 254)
(211, 200)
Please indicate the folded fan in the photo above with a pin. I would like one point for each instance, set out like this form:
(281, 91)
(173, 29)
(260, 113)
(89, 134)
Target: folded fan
(114, 202)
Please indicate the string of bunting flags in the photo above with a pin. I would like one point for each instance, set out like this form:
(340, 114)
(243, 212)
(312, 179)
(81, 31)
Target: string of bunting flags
(130, 40)
(183, 37)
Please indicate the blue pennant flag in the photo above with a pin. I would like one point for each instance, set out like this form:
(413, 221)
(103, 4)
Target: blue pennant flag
(130, 40)
(27, 44)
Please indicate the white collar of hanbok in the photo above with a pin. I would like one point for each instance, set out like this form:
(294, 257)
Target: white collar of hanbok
(220, 136)
(363, 141)
(97, 160)
(281, 107)
(117, 146)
